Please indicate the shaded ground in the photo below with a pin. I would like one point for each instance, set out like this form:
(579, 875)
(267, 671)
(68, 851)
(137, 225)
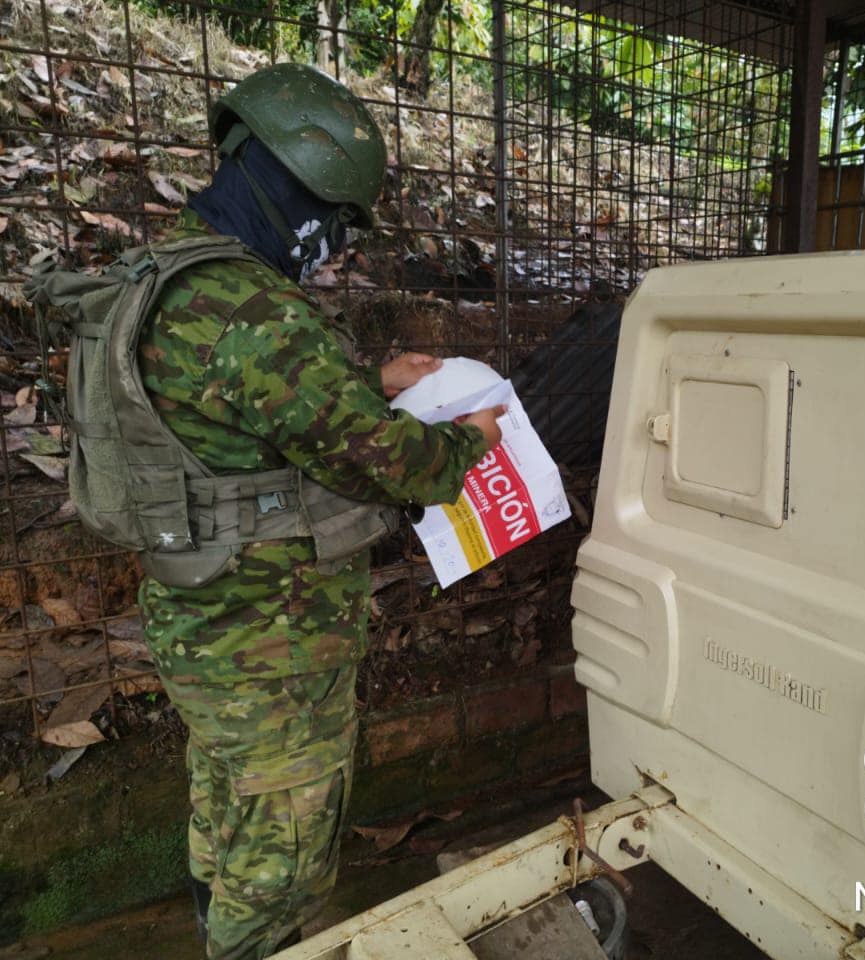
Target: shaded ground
(666, 920)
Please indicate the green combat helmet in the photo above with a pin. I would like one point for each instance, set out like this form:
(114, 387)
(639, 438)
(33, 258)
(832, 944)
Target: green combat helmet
(322, 133)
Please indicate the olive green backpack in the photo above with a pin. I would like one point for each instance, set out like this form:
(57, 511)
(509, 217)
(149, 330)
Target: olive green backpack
(133, 482)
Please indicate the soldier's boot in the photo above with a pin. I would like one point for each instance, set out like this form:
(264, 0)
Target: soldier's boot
(201, 899)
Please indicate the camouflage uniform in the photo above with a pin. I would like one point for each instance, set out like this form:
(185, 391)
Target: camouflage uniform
(261, 662)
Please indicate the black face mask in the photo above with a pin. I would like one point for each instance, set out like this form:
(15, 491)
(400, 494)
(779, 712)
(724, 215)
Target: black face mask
(231, 207)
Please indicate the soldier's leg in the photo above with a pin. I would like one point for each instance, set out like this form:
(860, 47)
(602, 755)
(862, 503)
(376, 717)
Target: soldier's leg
(208, 795)
(278, 866)
(266, 836)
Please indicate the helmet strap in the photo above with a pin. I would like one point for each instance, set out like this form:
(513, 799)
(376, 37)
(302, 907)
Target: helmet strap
(234, 145)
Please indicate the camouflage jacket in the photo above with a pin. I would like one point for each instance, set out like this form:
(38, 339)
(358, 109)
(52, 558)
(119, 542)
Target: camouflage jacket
(245, 370)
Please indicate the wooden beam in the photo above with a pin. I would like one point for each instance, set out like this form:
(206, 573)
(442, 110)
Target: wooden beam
(800, 221)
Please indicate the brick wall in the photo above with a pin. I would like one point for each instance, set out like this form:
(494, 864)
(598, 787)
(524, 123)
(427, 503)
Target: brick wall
(525, 728)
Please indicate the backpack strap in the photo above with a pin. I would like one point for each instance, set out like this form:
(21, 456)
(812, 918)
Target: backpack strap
(245, 507)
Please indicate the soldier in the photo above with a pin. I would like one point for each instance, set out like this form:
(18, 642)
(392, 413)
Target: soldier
(260, 659)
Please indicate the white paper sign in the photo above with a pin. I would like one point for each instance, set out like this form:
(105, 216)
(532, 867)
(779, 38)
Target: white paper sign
(511, 496)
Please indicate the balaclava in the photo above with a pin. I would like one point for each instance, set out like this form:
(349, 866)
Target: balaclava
(232, 207)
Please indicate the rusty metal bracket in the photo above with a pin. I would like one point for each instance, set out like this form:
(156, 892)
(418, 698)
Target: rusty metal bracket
(574, 848)
(621, 881)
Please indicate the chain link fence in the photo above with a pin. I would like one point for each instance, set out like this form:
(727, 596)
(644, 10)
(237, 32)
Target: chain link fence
(541, 158)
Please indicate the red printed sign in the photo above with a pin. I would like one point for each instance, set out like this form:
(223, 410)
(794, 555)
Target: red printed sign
(502, 501)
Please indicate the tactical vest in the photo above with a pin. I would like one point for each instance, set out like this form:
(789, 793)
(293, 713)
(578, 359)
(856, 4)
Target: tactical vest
(132, 480)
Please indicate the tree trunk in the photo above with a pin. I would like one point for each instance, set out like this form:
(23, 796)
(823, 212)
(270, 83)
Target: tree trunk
(417, 59)
(330, 45)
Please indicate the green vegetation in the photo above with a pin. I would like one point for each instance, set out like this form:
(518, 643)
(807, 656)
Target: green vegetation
(612, 77)
(704, 101)
(853, 117)
(11, 921)
(128, 871)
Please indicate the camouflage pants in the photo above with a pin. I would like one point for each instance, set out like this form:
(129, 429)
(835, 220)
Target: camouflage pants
(270, 766)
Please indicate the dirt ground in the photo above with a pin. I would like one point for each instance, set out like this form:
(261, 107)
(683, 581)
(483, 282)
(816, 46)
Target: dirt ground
(666, 921)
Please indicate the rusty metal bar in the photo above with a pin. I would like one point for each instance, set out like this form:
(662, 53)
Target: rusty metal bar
(102, 682)
(501, 138)
(622, 882)
(800, 224)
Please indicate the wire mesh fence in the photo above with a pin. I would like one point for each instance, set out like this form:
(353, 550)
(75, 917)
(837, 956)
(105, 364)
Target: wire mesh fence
(541, 158)
(841, 183)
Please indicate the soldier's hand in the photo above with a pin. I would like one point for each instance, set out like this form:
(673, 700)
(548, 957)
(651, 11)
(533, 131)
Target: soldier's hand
(486, 420)
(405, 371)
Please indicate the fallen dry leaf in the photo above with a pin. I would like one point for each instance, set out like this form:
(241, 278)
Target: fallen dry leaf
(21, 416)
(107, 221)
(117, 153)
(524, 613)
(129, 650)
(66, 511)
(47, 676)
(159, 209)
(78, 705)
(42, 443)
(61, 611)
(356, 279)
(478, 626)
(40, 67)
(63, 68)
(428, 246)
(131, 686)
(89, 187)
(117, 77)
(11, 664)
(184, 151)
(49, 106)
(325, 277)
(24, 396)
(79, 734)
(77, 87)
(126, 628)
(193, 183)
(10, 783)
(52, 467)
(164, 188)
(17, 440)
(530, 654)
(394, 640)
(385, 836)
(73, 655)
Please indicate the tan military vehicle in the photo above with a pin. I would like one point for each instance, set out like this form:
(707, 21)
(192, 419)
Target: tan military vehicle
(720, 626)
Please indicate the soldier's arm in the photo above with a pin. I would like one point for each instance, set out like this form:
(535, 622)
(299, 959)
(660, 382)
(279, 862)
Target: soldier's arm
(371, 376)
(398, 374)
(284, 372)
